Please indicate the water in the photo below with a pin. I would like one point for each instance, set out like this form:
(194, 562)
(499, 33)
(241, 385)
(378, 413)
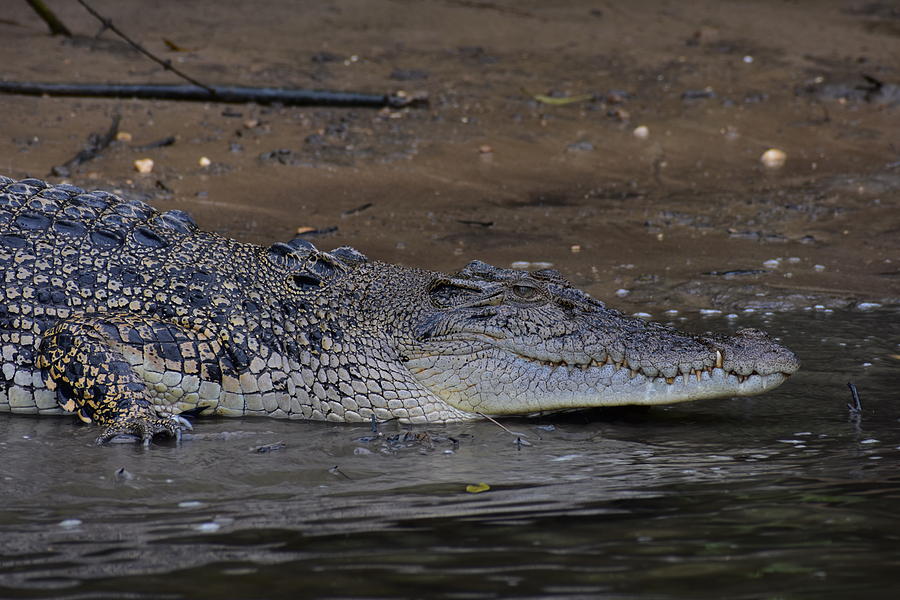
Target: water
(779, 496)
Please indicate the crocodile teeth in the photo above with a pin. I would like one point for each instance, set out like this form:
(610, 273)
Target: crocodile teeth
(719, 360)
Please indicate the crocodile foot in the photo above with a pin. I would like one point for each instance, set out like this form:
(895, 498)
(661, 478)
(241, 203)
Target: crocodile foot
(143, 428)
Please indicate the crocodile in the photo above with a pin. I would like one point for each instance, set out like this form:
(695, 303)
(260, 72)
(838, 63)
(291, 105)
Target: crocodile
(133, 319)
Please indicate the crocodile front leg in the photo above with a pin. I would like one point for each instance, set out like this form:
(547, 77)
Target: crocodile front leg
(90, 362)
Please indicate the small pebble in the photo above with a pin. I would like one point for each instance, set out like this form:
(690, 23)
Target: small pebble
(143, 165)
(642, 315)
(772, 263)
(190, 504)
(773, 158)
(819, 268)
(622, 292)
(207, 527)
(123, 136)
(710, 311)
(485, 149)
(641, 132)
(576, 248)
(204, 161)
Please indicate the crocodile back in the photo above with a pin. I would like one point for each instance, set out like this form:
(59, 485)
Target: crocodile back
(65, 249)
(66, 252)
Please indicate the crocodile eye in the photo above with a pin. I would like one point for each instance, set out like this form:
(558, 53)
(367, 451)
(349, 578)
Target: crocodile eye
(526, 292)
(306, 282)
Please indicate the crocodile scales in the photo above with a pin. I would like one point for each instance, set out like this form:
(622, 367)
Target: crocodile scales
(130, 317)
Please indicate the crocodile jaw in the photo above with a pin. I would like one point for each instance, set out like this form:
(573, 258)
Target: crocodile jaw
(493, 381)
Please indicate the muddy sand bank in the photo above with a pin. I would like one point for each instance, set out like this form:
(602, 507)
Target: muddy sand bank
(526, 152)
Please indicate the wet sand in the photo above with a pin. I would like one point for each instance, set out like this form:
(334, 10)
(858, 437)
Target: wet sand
(686, 217)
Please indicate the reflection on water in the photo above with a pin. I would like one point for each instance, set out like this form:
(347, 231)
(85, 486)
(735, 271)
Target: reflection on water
(776, 496)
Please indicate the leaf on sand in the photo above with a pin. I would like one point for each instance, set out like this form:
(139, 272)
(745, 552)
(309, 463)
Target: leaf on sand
(544, 99)
(477, 488)
(174, 47)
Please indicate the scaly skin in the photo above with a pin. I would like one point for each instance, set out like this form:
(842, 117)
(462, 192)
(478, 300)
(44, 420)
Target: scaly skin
(129, 317)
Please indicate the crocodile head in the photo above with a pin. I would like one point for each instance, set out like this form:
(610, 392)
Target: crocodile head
(499, 341)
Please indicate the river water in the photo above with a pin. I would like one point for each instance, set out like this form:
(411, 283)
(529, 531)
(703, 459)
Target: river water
(779, 496)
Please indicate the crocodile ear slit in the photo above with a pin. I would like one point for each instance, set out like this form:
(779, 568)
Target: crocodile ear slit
(306, 282)
(446, 293)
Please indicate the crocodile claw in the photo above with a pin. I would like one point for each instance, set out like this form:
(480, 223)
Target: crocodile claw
(144, 428)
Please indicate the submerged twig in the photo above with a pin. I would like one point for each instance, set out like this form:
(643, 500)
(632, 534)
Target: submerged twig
(166, 64)
(336, 470)
(231, 94)
(519, 441)
(497, 423)
(95, 145)
(266, 448)
(856, 407)
(56, 26)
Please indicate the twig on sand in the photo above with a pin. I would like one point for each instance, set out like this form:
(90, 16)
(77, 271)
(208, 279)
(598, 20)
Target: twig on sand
(166, 64)
(231, 94)
(95, 145)
(203, 92)
(56, 26)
